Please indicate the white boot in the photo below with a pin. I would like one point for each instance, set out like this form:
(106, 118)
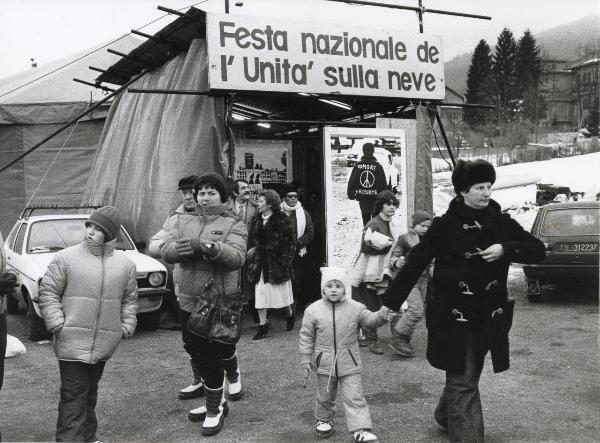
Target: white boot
(213, 423)
(364, 436)
(234, 390)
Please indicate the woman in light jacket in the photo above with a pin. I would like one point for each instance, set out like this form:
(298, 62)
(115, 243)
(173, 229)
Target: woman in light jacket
(88, 300)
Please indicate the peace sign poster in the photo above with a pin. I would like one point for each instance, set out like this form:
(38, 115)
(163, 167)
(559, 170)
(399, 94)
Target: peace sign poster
(360, 163)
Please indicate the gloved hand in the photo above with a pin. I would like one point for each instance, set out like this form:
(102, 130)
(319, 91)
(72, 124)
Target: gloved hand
(208, 249)
(8, 281)
(57, 329)
(183, 247)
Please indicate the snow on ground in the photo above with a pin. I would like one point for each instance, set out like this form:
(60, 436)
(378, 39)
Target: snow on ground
(581, 173)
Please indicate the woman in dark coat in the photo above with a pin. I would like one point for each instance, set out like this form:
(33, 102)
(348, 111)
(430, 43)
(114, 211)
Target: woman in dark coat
(271, 243)
(468, 313)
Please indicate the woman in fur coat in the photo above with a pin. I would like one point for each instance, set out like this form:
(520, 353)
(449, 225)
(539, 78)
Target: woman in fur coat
(271, 243)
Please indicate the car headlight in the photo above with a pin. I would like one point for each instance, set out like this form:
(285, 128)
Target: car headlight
(156, 279)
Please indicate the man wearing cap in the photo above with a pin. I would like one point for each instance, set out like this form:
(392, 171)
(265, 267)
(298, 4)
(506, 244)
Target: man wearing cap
(188, 206)
(468, 312)
(88, 300)
(366, 181)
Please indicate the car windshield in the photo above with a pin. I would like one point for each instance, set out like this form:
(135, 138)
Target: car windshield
(54, 235)
(572, 221)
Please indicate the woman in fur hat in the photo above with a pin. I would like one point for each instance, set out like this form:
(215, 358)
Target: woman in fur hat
(468, 313)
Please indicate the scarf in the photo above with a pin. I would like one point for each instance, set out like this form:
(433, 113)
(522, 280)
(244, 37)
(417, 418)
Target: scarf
(300, 221)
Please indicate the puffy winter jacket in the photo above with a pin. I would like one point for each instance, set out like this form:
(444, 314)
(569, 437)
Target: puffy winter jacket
(194, 271)
(159, 238)
(88, 299)
(332, 328)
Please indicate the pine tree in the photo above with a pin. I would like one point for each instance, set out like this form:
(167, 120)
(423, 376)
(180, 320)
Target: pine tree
(505, 88)
(528, 67)
(478, 78)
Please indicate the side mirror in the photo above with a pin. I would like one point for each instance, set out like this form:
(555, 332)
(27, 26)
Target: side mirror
(140, 245)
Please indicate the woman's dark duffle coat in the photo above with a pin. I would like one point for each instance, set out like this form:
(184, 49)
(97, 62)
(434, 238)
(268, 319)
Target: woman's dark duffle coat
(466, 284)
(274, 242)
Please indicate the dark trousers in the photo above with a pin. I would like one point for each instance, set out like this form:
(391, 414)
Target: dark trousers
(366, 210)
(459, 407)
(3, 332)
(208, 355)
(78, 396)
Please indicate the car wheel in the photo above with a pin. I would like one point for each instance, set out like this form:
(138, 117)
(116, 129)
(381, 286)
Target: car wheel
(35, 325)
(534, 290)
(12, 304)
(149, 321)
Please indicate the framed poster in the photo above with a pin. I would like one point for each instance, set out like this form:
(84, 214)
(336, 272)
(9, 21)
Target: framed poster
(343, 152)
(263, 163)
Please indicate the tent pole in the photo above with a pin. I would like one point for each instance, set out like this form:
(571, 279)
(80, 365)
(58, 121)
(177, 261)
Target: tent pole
(445, 137)
(75, 119)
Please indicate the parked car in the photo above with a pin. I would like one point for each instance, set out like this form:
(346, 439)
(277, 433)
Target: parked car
(31, 245)
(571, 233)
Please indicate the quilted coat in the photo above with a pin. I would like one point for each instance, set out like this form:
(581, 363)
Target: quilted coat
(330, 329)
(88, 299)
(274, 242)
(194, 271)
(468, 292)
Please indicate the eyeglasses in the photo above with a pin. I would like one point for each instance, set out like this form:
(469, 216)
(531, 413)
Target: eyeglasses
(291, 195)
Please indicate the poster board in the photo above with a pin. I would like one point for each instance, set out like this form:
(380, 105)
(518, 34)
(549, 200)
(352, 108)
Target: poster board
(263, 163)
(342, 215)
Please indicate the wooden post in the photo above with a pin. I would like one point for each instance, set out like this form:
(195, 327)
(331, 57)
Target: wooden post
(419, 181)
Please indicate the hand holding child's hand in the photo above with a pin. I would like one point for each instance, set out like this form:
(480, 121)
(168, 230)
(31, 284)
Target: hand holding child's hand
(388, 313)
(400, 262)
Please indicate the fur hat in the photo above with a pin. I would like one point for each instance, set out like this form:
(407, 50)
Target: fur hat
(215, 181)
(329, 273)
(466, 174)
(368, 148)
(420, 216)
(187, 182)
(106, 218)
(287, 188)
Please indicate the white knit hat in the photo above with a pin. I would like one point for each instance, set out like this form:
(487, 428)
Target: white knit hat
(329, 273)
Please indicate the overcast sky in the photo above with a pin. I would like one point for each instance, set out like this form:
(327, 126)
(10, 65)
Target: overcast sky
(49, 30)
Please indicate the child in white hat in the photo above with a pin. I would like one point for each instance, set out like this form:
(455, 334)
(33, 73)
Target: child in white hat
(329, 347)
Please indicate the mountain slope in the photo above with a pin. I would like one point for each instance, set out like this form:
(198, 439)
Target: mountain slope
(564, 42)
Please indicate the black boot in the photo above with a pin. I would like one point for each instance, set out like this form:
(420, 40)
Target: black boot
(253, 312)
(196, 389)
(234, 383)
(290, 321)
(215, 412)
(262, 332)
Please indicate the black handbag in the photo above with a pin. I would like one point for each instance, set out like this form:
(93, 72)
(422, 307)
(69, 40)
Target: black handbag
(213, 321)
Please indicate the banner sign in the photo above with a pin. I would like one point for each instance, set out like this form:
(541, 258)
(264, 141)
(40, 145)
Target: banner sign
(274, 54)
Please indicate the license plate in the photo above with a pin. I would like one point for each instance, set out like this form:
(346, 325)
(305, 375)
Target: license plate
(577, 247)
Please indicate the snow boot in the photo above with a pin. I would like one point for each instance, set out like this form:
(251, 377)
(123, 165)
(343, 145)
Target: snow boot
(400, 344)
(364, 435)
(199, 414)
(196, 389)
(215, 412)
(235, 391)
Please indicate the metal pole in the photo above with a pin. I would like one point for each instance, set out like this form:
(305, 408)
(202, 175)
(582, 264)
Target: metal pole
(445, 137)
(226, 6)
(420, 14)
(412, 8)
(300, 122)
(66, 125)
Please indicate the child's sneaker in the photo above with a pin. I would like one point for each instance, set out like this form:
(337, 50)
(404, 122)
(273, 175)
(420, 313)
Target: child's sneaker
(363, 435)
(324, 429)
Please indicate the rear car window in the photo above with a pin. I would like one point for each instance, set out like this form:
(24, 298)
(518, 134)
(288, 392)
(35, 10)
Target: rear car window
(573, 221)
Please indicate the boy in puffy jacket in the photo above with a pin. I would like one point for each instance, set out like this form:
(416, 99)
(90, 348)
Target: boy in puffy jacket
(88, 300)
(329, 347)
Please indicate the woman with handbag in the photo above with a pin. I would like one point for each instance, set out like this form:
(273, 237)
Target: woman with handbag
(270, 256)
(210, 247)
(372, 271)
